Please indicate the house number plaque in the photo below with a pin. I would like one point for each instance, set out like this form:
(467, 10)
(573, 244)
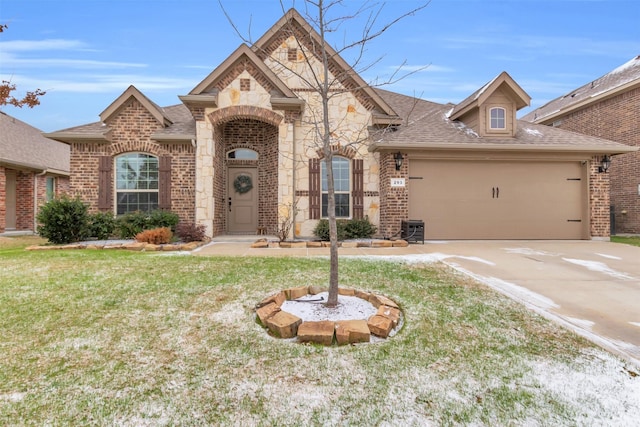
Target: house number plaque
(397, 182)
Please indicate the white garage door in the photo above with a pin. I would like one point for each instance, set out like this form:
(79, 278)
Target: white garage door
(499, 200)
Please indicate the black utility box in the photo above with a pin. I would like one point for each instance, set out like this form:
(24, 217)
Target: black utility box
(413, 231)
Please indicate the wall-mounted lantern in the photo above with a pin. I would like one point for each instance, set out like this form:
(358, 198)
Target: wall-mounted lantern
(605, 163)
(398, 159)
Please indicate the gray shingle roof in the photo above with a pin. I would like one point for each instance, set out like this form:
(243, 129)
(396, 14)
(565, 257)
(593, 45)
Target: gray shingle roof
(22, 145)
(426, 125)
(623, 76)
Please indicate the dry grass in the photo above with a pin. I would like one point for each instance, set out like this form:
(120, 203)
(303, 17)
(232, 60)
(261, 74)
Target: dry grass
(120, 338)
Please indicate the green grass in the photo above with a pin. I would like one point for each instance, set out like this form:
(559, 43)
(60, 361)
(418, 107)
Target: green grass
(125, 338)
(630, 240)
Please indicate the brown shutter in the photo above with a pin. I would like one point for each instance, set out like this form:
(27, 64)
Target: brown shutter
(357, 192)
(314, 189)
(164, 196)
(105, 196)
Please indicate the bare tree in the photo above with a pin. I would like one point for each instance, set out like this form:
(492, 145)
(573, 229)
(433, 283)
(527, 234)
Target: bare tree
(31, 99)
(328, 81)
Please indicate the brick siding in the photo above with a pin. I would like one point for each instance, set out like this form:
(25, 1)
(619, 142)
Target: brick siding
(131, 131)
(616, 119)
(394, 202)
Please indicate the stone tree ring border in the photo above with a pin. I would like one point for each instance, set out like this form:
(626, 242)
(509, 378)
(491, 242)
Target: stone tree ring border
(281, 324)
(242, 184)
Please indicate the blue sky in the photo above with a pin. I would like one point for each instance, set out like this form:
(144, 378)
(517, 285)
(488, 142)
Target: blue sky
(85, 53)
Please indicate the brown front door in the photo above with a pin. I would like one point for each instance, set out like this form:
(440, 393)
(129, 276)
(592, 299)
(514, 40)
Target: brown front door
(10, 219)
(242, 200)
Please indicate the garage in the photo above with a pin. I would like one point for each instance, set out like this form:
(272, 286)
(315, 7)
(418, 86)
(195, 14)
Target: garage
(460, 199)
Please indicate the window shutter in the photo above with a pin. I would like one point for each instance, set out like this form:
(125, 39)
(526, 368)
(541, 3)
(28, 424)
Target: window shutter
(357, 192)
(164, 196)
(314, 188)
(105, 196)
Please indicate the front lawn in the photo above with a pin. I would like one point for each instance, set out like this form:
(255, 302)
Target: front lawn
(629, 240)
(125, 338)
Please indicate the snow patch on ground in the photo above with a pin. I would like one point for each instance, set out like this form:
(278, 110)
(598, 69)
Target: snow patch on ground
(528, 251)
(311, 309)
(608, 256)
(584, 324)
(13, 397)
(599, 267)
(635, 324)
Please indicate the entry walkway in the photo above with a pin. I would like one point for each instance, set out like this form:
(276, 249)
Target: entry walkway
(591, 287)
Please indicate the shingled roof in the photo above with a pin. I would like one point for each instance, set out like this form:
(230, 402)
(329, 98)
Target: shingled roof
(23, 146)
(427, 126)
(623, 78)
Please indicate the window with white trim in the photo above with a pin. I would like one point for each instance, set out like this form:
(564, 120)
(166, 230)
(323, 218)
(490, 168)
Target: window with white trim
(137, 182)
(342, 187)
(498, 118)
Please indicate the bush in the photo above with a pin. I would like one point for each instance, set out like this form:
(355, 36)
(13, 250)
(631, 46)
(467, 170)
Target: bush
(157, 236)
(347, 229)
(102, 225)
(360, 229)
(63, 220)
(190, 232)
(322, 229)
(132, 223)
(159, 219)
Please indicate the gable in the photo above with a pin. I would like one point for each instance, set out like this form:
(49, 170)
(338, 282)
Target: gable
(293, 33)
(121, 102)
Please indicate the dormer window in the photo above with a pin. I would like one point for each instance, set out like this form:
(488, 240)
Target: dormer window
(498, 118)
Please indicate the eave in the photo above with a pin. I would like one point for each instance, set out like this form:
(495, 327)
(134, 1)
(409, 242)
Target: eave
(526, 148)
(28, 166)
(70, 138)
(202, 100)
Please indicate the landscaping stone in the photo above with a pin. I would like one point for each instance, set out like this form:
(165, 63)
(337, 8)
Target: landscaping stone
(363, 295)
(391, 313)
(400, 243)
(278, 299)
(320, 332)
(285, 245)
(283, 324)
(315, 290)
(352, 332)
(135, 246)
(364, 244)
(314, 244)
(267, 311)
(380, 325)
(349, 292)
(381, 244)
(295, 293)
(262, 243)
(298, 245)
(149, 247)
(349, 244)
(386, 301)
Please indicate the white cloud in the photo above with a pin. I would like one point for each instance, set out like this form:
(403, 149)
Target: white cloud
(47, 44)
(10, 61)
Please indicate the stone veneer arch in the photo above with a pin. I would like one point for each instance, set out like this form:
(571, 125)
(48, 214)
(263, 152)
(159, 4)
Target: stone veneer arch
(245, 112)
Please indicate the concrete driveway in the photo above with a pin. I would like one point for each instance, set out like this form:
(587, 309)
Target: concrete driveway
(591, 287)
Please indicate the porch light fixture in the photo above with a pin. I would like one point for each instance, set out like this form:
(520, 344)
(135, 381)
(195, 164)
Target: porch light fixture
(604, 164)
(398, 158)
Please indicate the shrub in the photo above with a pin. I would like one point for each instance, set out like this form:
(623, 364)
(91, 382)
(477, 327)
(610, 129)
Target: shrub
(322, 229)
(158, 219)
(360, 229)
(157, 236)
(101, 225)
(347, 229)
(132, 223)
(190, 232)
(63, 220)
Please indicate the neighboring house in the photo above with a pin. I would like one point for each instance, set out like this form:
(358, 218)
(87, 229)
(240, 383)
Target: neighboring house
(33, 169)
(608, 107)
(241, 149)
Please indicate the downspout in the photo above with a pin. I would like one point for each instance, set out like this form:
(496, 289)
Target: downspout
(35, 199)
(293, 187)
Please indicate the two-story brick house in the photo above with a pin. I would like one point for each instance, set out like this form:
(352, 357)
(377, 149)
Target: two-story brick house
(242, 147)
(607, 107)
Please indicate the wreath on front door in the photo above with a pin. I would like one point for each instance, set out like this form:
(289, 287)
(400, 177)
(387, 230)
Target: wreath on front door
(243, 184)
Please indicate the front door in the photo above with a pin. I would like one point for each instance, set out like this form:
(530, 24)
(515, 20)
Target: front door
(242, 200)
(10, 219)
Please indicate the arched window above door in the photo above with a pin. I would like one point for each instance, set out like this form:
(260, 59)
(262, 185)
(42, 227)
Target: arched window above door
(242, 154)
